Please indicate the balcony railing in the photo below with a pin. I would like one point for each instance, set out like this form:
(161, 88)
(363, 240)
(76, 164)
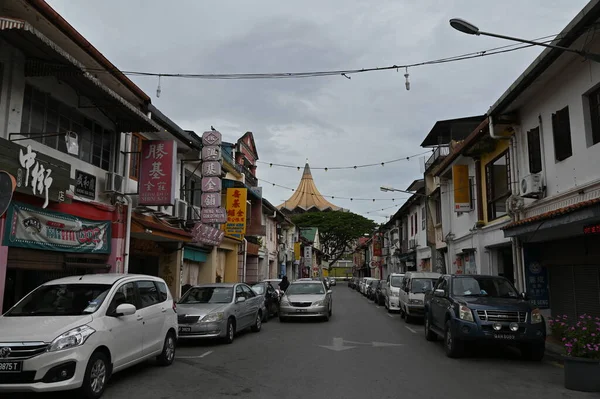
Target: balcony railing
(439, 153)
(250, 179)
(227, 157)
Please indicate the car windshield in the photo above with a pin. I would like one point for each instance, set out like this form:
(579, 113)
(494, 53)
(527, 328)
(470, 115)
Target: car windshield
(208, 295)
(421, 285)
(396, 281)
(259, 288)
(62, 300)
(305, 289)
(496, 287)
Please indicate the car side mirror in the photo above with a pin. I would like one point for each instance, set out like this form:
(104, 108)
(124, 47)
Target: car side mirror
(240, 299)
(329, 291)
(124, 309)
(524, 296)
(439, 293)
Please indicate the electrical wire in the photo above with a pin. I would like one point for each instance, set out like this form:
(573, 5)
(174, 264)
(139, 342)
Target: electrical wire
(271, 164)
(382, 209)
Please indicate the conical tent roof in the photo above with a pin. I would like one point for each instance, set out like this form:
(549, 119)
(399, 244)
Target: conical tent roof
(307, 196)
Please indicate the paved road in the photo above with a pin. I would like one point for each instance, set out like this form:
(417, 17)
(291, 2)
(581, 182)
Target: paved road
(387, 359)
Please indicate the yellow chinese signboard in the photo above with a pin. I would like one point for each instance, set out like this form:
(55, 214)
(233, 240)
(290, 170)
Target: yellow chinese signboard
(297, 251)
(462, 189)
(236, 212)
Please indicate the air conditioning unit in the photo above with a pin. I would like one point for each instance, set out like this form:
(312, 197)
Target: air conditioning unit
(531, 186)
(180, 209)
(114, 183)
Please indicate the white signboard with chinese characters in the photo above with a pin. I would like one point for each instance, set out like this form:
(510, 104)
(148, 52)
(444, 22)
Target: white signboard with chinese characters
(211, 169)
(212, 212)
(211, 185)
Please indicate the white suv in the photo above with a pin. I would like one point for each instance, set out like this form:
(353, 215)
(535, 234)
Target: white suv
(75, 332)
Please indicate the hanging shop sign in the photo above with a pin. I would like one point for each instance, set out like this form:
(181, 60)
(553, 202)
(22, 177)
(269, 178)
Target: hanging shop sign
(211, 169)
(207, 235)
(462, 190)
(377, 248)
(592, 229)
(36, 228)
(236, 212)
(211, 185)
(157, 172)
(297, 251)
(36, 173)
(213, 215)
(536, 276)
(85, 184)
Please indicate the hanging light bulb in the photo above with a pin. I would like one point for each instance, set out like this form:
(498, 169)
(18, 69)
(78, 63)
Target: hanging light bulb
(407, 83)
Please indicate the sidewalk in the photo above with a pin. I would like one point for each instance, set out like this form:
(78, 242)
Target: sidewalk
(554, 350)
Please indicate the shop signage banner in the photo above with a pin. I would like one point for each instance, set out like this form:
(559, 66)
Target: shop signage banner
(157, 172)
(297, 251)
(211, 169)
(236, 212)
(36, 173)
(377, 251)
(207, 235)
(85, 184)
(462, 192)
(308, 255)
(213, 215)
(536, 278)
(211, 185)
(36, 228)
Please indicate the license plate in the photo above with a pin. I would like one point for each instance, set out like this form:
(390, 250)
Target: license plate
(504, 336)
(11, 367)
(185, 329)
(301, 310)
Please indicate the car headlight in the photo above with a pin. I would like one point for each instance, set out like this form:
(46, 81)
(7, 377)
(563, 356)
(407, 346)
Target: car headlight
(212, 317)
(415, 301)
(71, 338)
(536, 316)
(464, 313)
(318, 303)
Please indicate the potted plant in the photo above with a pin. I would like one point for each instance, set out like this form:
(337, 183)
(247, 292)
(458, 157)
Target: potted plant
(581, 340)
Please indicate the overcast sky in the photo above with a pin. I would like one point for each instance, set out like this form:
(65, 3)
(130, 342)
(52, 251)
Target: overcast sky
(332, 121)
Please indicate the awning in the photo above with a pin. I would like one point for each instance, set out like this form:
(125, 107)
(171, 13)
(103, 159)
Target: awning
(46, 58)
(148, 228)
(564, 222)
(195, 254)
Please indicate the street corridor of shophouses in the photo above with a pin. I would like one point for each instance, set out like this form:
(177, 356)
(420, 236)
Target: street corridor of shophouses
(274, 200)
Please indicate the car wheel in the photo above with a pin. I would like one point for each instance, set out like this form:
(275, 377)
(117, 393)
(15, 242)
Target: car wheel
(454, 348)
(95, 377)
(167, 355)
(230, 331)
(257, 322)
(533, 352)
(429, 335)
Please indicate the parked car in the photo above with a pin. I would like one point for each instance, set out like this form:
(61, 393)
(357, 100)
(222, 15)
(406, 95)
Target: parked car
(392, 291)
(75, 332)
(275, 283)
(365, 285)
(371, 287)
(478, 308)
(271, 299)
(219, 311)
(412, 293)
(332, 281)
(351, 283)
(379, 293)
(308, 299)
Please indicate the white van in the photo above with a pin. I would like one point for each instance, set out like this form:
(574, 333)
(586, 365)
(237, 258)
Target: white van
(412, 293)
(392, 291)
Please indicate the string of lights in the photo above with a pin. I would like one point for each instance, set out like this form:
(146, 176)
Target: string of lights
(332, 196)
(382, 209)
(271, 164)
(343, 72)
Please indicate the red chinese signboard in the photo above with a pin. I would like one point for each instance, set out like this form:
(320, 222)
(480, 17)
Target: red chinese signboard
(207, 235)
(592, 229)
(377, 245)
(157, 172)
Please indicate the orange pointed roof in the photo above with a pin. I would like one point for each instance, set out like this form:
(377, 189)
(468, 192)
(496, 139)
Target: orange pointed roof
(307, 196)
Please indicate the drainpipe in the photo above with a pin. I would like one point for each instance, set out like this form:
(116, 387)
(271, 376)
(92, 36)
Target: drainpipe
(542, 150)
(129, 202)
(244, 261)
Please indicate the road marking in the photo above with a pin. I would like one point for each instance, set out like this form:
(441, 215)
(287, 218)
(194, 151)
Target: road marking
(393, 316)
(195, 357)
(410, 329)
(338, 345)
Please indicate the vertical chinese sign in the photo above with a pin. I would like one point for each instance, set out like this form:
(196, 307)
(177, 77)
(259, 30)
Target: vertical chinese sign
(212, 211)
(462, 189)
(157, 172)
(536, 275)
(236, 212)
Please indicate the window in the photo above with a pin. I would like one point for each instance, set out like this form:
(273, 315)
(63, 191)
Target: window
(561, 131)
(248, 292)
(423, 218)
(135, 156)
(193, 194)
(124, 294)
(497, 178)
(594, 101)
(162, 291)
(42, 114)
(438, 211)
(148, 293)
(239, 292)
(534, 147)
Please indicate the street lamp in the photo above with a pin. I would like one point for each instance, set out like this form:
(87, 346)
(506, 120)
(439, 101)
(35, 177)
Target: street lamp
(466, 27)
(388, 189)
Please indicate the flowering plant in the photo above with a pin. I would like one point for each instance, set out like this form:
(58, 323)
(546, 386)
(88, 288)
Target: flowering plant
(580, 337)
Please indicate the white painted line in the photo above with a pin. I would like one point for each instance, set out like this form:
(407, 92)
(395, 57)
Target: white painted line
(391, 315)
(410, 329)
(195, 357)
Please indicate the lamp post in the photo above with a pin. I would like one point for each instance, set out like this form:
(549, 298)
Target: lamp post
(466, 27)
(389, 189)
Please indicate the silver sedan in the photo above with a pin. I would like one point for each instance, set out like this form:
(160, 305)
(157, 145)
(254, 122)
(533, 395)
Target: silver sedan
(219, 311)
(306, 299)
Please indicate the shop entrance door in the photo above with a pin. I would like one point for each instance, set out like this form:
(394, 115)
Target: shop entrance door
(143, 265)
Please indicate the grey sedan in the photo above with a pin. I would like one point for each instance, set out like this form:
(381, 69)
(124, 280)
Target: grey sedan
(306, 299)
(219, 311)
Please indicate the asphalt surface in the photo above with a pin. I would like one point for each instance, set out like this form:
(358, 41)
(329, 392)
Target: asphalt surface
(387, 358)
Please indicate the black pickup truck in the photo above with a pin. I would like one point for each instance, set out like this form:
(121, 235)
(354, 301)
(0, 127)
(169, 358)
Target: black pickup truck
(478, 308)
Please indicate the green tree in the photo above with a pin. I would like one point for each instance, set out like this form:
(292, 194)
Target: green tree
(337, 230)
